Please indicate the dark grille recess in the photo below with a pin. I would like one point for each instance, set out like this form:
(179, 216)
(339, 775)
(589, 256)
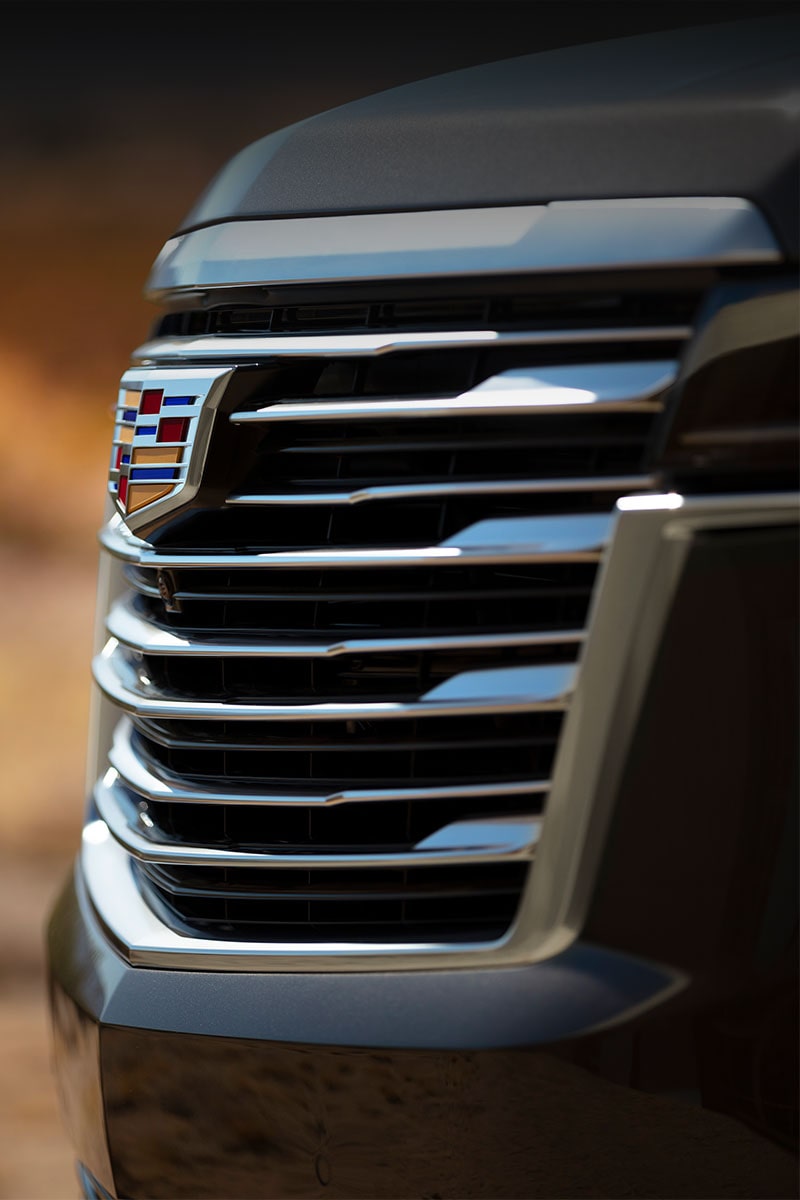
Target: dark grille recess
(590, 306)
(351, 455)
(391, 905)
(444, 601)
(333, 756)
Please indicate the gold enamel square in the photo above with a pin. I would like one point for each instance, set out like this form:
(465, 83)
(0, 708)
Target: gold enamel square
(156, 455)
(140, 494)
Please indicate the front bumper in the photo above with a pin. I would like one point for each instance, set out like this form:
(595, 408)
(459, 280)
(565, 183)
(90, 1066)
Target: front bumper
(473, 1081)
(170, 1090)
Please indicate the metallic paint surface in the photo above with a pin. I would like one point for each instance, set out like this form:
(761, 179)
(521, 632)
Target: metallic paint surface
(572, 235)
(298, 1121)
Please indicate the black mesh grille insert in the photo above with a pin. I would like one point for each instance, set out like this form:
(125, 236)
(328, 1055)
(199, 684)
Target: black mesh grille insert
(587, 306)
(372, 826)
(310, 604)
(333, 755)
(345, 455)
(389, 905)
(386, 677)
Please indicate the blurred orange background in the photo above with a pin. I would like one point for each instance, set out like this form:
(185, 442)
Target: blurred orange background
(115, 116)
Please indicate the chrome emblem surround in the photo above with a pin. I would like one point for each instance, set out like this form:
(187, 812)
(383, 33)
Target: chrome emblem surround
(163, 422)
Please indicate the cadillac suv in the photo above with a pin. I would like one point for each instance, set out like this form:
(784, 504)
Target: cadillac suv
(443, 768)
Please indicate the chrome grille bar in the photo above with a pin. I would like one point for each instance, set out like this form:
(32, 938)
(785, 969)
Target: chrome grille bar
(573, 390)
(150, 637)
(498, 839)
(141, 778)
(421, 491)
(514, 539)
(358, 345)
(511, 689)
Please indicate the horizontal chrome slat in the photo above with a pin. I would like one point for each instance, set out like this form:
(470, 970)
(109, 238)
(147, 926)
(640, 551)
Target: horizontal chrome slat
(510, 689)
(238, 348)
(421, 491)
(536, 391)
(579, 538)
(141, 778)
(149, 637)
(499, 839)
(115, 895)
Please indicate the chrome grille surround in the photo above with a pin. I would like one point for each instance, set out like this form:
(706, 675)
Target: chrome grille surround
(170, 684)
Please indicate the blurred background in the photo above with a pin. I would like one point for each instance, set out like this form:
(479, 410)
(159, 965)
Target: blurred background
(115, 116)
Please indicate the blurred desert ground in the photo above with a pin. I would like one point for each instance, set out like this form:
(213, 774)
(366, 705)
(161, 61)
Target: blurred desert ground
(109, 129)
(80, 222)
(90, 197)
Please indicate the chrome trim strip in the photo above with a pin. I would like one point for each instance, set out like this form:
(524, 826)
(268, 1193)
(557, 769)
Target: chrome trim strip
(578, 538)
(540, 391)
(149, 637)
(566, 235)
(419, 491)
(164, 785)
(238, 349)
(500, 839)
(509, 689)
(631, 607)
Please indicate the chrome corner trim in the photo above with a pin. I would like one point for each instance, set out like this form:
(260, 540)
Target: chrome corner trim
(91, 1188)
(142, 777)
(149, 637)
(420, 491)
(567, 235)
(578, 538)
(630, 608)
(526, 391)
(500, 839)
(509, 689)
(240, 348)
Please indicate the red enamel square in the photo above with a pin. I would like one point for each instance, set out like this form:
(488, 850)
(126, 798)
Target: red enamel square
(123, 491)
(150, 402)
(172, 429)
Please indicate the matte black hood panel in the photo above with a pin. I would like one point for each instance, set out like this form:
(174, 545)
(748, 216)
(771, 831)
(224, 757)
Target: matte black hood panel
(710, 110)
